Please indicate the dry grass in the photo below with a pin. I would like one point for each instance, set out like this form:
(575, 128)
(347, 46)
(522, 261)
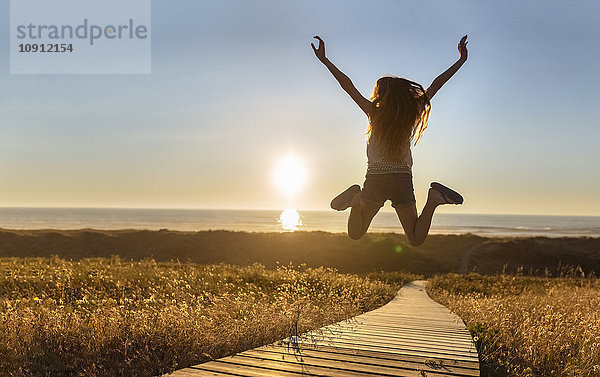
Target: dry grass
(528, 326)
(107, 317)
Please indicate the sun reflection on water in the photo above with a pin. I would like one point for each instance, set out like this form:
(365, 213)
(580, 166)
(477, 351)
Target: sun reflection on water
(290, 220)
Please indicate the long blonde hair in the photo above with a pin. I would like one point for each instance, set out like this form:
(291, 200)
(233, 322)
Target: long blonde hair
(400, 114)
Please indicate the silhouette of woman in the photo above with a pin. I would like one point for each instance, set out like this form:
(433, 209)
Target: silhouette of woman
(398, 111)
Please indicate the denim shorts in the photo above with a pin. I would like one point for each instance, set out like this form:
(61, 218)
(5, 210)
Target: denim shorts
(397, 187)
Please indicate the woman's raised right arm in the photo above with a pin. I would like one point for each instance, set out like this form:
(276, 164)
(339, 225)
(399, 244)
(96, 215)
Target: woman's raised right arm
(341, 78)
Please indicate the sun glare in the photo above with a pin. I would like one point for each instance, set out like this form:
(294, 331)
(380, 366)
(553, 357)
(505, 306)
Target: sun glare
(290, 220)
(290, 175)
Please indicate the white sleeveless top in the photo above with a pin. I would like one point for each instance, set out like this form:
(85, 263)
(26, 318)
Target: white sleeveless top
(379, 164)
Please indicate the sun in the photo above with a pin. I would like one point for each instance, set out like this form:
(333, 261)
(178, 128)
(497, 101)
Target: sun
(290, 175)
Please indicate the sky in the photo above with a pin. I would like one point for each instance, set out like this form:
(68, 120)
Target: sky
(235, 88)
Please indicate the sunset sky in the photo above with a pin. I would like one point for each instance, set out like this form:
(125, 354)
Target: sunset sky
(235, 89)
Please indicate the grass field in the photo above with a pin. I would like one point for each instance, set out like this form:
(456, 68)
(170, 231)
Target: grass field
(528, 326)
(85, 312)
(108, 317)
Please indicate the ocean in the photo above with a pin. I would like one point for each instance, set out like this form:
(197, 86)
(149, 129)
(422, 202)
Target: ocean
(288, 220)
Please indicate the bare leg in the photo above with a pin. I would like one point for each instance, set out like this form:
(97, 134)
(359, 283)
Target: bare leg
(360, 218)
(417, 228)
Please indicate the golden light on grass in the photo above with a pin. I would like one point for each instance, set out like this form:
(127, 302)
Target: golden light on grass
(107, 317)
(290, 220)
(290, 175)
(528, 326)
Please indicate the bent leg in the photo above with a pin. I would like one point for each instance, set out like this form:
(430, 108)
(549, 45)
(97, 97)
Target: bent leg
(360, 218)
(417, 228)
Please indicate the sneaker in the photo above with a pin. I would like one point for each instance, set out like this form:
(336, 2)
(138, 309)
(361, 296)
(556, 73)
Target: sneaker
(343, 200)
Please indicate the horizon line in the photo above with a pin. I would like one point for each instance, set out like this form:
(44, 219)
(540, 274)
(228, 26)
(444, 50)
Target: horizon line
(270, 209)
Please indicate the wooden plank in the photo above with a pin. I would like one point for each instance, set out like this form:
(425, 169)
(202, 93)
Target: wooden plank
(402, 351)
(405, 320)
(410, 336)
(243, 370)
(406, 335)
(424, 314)
(417, 346)
(423, 346)
(393, 321)
(378, 356)
(391, 340)
(335, 367)
(276, 367)
(411, 327)
(355, 362)
(323, 368)
(191, 372)
(393, 329)
(471, 353)
(397, 332)
(425, 341)
(394, 326)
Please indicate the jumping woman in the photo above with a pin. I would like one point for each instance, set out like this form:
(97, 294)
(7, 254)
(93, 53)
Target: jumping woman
(398, 112)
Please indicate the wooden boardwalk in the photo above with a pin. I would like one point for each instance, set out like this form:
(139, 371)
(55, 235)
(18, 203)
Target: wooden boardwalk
(410, 336)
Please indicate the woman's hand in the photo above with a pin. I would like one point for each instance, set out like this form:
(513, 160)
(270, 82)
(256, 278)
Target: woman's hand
(462, 48)
(319, 52)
